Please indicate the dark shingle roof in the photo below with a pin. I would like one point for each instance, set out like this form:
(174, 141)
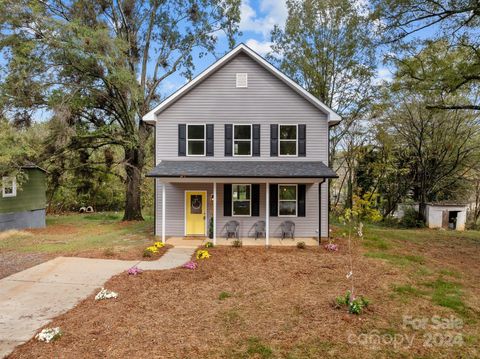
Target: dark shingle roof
(259, 169)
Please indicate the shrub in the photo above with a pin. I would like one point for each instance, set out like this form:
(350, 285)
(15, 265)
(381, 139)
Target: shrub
(237, 243)
(354, 305)
(150, 251)
(49, 334)
(159, 244)
(301, 245)
(411, 219)
(332, 247)
(134, 270)
(209, 245)
(190, 265)
(224, 295)
(147, 253)
(390, 221)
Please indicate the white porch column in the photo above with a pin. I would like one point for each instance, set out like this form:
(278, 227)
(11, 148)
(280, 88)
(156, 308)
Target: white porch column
(163, 212)
(214, 213)
(267, 213)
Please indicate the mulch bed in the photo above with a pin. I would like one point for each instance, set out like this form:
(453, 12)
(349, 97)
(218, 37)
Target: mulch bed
(281, 306)
(13, 262)
(125, 253)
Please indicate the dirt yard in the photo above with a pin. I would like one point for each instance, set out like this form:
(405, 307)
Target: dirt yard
(279, 303)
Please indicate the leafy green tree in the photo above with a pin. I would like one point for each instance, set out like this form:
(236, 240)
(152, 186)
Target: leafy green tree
(437, 43)
(327, 47)
(101, 64)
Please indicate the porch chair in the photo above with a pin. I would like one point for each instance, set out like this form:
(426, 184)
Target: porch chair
(232, 229)
(288, 229)
(259, 228)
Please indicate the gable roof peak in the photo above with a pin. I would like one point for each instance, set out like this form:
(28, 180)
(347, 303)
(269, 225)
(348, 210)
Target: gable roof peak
(150, 117)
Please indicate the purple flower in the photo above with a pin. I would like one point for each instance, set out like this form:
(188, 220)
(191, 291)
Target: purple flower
(331, 247)
(190, 265)
(134, 270)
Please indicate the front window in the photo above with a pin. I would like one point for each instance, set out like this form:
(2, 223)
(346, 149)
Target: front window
(196, 140)
(287, 200)
(9, 187)
(241, 199)
(287, 140)
(242, 140)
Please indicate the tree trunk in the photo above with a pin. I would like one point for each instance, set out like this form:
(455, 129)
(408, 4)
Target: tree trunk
(133, 168)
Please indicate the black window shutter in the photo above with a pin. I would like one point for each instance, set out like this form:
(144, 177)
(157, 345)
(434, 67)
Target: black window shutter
(182, 140)
(255, 200)
(301, 200)
(302, 140)
(273, 140)
(273, 200)
(256, 140)
(209, 138)
(228, 140)
(227, 200)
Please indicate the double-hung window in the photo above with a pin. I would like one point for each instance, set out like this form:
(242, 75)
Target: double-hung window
(196, 140)
(242, 140)
(241, 200)
(287, 200)
(288, 136)
(9, 187)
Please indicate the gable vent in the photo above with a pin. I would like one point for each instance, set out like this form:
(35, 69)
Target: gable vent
(242, 79)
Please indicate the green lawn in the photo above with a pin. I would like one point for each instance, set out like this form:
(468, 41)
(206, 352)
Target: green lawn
(73, 234)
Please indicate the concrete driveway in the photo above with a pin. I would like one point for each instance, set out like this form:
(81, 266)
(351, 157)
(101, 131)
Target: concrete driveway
(31, 298)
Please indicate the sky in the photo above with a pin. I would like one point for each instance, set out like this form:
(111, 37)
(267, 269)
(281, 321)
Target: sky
(258, 17)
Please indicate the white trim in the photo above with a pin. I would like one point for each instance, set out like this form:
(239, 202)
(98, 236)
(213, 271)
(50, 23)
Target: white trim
(185, 212)
(267, 213)
(333, 118)
(243, 200)
(249, 180)
(243, 140)
(163, 212)
(214, 213)
(13, 180)
(280, 140)
(197, 139)
(288, 200)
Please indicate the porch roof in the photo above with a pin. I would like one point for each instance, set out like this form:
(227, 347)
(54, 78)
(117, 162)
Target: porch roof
(242, 169)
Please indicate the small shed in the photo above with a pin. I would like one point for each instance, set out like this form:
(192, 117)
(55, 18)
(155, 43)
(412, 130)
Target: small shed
(446, 215)
(23, 205)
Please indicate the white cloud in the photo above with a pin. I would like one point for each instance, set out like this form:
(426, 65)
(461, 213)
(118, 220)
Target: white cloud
(383, 74)
(273, 12)
(262, 47)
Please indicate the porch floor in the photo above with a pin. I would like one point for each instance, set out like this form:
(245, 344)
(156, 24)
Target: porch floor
(247, 241)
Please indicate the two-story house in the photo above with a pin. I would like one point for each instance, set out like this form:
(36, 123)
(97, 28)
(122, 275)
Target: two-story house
(242, 142)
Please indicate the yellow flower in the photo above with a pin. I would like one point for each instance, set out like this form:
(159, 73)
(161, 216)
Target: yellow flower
(203, 254)
(152, 249)
(158, 244)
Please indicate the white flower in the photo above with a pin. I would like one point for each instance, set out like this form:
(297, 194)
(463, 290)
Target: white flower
(106, 294)
(48, 334)
(349, 274)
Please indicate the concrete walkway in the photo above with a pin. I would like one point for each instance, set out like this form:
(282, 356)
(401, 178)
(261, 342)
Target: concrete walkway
(32, 298)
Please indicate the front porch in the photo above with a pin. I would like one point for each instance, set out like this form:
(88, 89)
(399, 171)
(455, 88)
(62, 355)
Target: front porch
(246, 241)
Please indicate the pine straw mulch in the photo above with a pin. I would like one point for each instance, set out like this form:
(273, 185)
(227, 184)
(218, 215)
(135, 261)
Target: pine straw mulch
(280, 307)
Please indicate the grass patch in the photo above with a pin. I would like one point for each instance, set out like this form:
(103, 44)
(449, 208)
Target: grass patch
(312, 349)
(376, 243)
(256, 349)
(451, 273)
(397, 259)
(447, 294)
(224, 295)
(408, 289)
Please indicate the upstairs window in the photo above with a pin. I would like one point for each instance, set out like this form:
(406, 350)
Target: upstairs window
(196, 140)
(241, 199)
(287, 135)
(9, 187)
(242, 140)
(287, 200)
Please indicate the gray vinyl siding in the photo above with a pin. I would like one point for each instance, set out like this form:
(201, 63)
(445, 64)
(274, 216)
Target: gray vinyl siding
(267, 100)
(175, 211)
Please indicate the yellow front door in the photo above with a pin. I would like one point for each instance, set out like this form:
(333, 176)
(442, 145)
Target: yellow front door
(196, 211)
